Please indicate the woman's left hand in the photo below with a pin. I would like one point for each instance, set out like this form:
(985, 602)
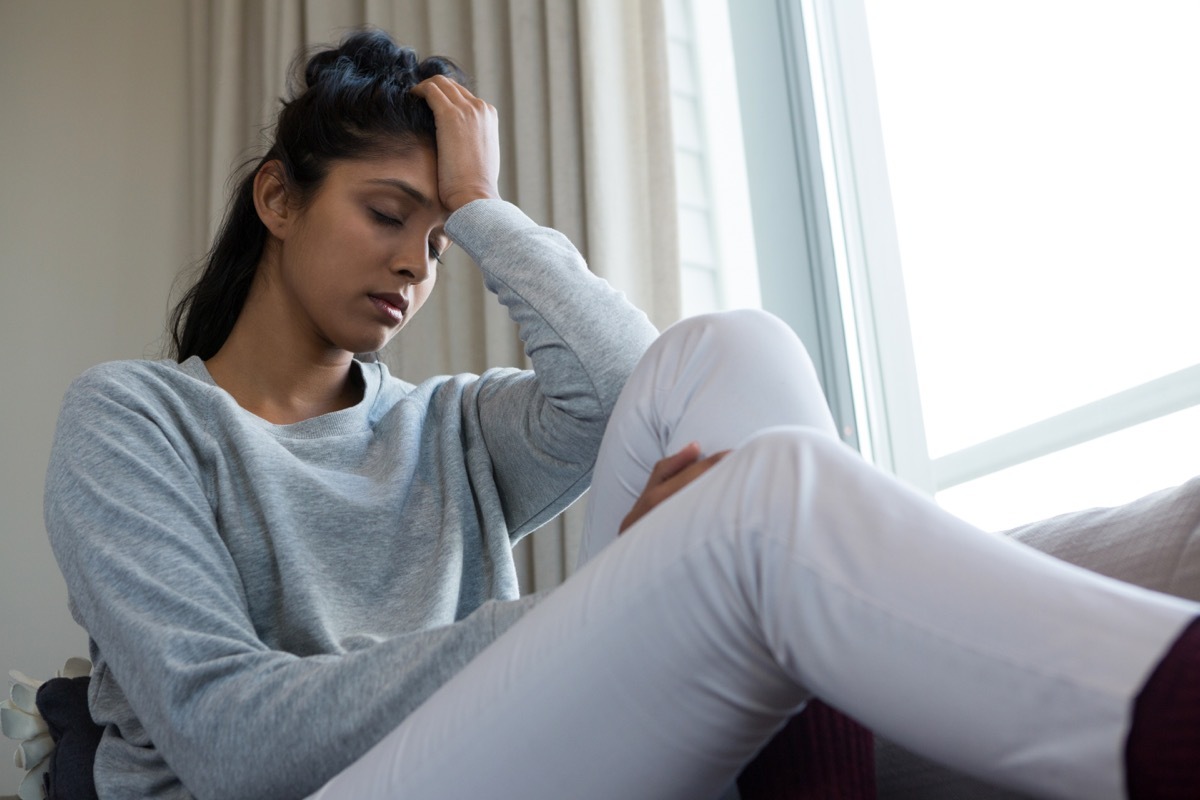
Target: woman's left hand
(669, 476)
(468, 142)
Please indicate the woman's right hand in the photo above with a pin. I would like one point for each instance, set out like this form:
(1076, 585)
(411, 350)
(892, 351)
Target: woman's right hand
(669, 476)
(468, 142)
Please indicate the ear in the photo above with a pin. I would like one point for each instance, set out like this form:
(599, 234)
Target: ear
(271, 199)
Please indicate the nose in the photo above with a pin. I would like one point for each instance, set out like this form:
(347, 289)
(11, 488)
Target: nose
(413, 274)
(413, 263)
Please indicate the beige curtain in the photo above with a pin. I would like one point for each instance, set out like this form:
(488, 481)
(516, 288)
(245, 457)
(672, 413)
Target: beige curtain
(581, 88)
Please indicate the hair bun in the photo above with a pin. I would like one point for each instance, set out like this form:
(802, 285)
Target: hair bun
(368, 55)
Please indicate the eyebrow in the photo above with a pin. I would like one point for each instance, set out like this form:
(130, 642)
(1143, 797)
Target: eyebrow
(407, 188)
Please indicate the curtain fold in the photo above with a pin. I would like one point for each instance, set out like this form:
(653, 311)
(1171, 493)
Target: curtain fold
(628, 161)
(581, 89)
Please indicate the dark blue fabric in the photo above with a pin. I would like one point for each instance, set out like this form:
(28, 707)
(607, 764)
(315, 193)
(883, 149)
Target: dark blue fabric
(64, 705)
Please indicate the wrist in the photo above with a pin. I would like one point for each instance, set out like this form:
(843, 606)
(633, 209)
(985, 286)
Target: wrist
(459, 199)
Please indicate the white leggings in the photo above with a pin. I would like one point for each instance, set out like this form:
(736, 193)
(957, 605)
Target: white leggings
(791, 569)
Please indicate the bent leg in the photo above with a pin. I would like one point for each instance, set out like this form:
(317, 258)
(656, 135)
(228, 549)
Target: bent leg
(715, 379)
(792, 567)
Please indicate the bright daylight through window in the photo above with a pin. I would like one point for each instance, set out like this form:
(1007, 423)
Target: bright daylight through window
(1038, 160)
(718, 260)
(1043, 167)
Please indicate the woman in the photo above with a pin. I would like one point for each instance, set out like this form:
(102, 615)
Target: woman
(295, 570)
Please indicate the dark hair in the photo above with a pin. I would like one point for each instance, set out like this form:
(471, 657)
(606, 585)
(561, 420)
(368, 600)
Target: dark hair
(349, 101)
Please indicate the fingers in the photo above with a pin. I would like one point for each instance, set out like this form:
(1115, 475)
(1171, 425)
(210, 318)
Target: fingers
(441, 83)
(687, 474)
(442, 92)
(467, 141)
(673, 463)
(668, 476)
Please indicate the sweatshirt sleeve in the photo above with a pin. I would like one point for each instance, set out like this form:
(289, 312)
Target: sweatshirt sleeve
(542, 428)
(134, 532)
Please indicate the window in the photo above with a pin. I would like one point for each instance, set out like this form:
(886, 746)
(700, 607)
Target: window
(716, 241)
(736, 154)
(1000, 210)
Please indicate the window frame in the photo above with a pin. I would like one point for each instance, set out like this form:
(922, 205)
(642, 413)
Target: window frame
(848, 282)
(862, 348)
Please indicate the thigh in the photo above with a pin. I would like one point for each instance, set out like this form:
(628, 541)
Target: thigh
(640, 676)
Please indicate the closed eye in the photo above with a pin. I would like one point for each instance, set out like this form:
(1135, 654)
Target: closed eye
(384, 219)
(393, 222)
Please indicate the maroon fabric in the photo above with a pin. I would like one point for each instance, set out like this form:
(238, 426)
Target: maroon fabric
(821, 754)
(1162, 755)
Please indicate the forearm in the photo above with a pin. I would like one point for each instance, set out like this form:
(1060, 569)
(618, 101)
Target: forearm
(583, 336)
(542, 429)
(267, 724)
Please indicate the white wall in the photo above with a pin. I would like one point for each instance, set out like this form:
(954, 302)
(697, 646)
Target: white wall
(93, 229)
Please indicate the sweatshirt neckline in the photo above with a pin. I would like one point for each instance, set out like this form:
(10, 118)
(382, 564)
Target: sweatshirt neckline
(343, 421)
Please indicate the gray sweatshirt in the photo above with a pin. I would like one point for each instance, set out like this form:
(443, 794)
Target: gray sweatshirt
(265, 602)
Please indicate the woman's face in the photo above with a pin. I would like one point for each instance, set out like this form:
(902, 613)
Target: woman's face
(362, 256)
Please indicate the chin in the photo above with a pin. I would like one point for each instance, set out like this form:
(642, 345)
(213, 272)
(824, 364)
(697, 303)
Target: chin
(364, 349)
(365, 344)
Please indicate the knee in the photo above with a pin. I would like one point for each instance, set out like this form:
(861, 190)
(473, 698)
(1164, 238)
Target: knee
(745, 325)
(746, 340)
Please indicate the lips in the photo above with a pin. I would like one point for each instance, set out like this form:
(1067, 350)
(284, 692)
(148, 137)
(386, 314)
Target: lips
(390, 303)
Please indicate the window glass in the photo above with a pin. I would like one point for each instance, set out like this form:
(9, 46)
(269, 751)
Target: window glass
(715, 241)
(1108, 471)
(1044, 170)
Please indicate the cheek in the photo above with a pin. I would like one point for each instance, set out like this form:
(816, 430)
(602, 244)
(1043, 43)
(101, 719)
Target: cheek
(338, 260)
(421, 294)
